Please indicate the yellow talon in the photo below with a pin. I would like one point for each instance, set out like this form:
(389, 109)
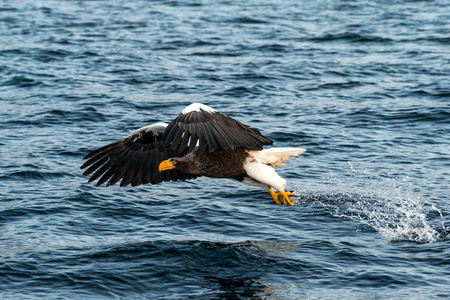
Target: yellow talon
(282, 195)
(275, 196)
(286, 197)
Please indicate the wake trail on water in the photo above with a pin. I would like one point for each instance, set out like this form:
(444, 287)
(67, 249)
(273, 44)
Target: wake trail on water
(384, 203)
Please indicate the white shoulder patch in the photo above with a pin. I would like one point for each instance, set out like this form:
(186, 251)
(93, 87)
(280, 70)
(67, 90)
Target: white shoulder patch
(275, 157)
(197, 107)
(155, 128)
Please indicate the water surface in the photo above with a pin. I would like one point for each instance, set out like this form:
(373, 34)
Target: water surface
(363, 85)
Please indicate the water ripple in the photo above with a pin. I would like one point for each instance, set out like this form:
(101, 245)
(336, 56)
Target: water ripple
(358, 82)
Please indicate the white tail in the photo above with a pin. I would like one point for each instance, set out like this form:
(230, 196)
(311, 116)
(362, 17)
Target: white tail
(275, 157)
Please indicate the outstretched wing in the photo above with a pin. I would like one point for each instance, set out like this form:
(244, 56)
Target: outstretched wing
(203, 127)
(134, 159)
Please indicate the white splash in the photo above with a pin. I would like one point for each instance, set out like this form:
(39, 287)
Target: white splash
(384, 203)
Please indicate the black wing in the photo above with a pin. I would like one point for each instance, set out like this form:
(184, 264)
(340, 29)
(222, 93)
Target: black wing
(210, 130)
(134, 160)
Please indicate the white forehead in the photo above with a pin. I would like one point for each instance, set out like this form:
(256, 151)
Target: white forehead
(197, 107)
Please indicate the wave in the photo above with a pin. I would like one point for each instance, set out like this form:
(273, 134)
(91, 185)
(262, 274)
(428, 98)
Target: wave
(350, 37)
(33, 175)
(59, 117)
(23, 81)
(246, 20)
(224, 270)
(410, 114)
(240, 91)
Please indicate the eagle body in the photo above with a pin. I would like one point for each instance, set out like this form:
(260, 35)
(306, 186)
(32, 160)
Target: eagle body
(221, 163)
(201, 141)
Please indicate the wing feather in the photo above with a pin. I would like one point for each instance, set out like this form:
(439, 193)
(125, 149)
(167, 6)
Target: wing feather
(146, 172)
(92, 159)
(134, 159)
(177, 139)
(95, 166)
(192, 143)
(118, 169)
(101, 150)
(184, 142)
(131, 168)
(213, 130)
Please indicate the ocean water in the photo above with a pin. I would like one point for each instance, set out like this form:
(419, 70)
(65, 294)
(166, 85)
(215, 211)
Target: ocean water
(363, 85)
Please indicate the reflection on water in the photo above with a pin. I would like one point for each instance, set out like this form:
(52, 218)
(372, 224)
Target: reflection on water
(253, 282)
(278, 247)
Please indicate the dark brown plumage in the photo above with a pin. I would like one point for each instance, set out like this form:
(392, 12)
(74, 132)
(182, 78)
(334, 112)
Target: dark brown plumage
(221, 163)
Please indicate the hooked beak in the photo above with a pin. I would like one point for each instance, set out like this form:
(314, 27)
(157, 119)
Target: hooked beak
(166, 165)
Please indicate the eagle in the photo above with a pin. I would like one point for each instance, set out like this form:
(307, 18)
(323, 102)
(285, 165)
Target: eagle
(201, 141)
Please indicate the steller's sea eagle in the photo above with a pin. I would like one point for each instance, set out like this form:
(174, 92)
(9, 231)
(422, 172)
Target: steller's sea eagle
(201, 141)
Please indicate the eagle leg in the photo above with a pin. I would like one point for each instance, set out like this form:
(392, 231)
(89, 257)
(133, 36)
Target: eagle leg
(282, 196)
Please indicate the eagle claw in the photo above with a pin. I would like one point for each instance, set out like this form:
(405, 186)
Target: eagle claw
(282, 197)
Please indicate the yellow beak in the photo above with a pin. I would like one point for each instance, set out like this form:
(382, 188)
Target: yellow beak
(166, 165)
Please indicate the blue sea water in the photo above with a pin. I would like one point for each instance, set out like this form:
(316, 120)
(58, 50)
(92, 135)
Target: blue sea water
(363, 85)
